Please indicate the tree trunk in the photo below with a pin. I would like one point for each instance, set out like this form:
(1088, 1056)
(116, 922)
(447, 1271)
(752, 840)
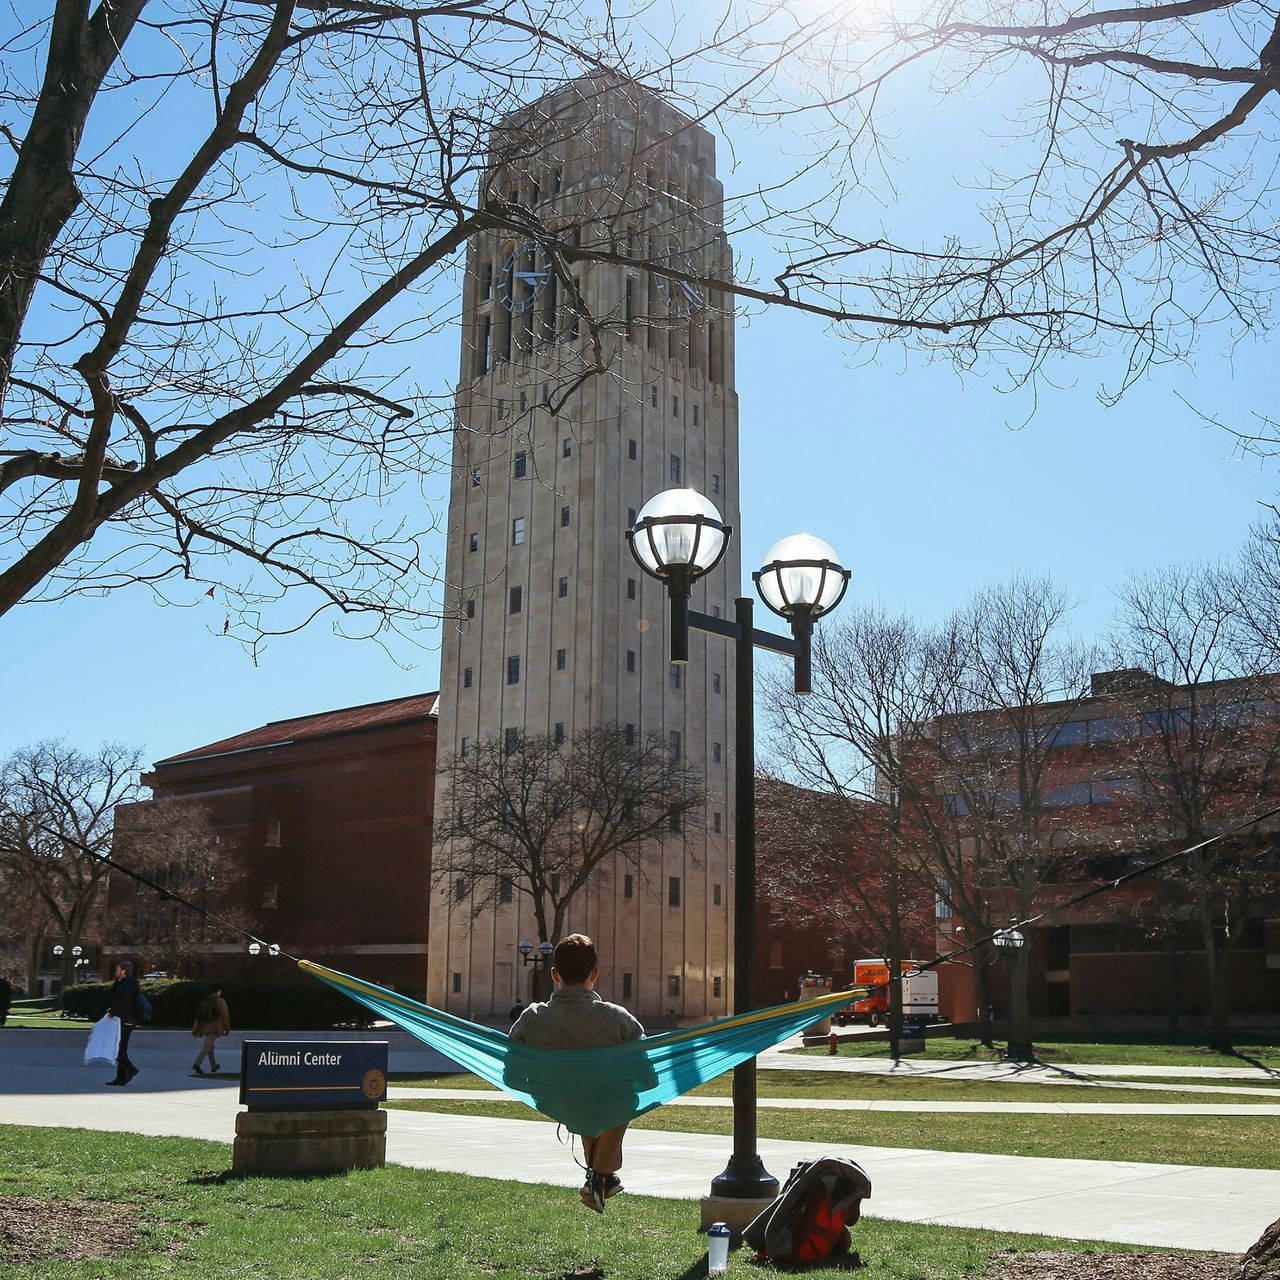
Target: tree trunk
(1262, 1262)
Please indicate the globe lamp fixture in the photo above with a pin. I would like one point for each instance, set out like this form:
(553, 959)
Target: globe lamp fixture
(801, 581)
(1010, 938)
(545, 950)
(679, 537)
(525, 947)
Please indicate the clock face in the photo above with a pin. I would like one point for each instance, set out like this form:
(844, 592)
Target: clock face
(682, 297)
(524, 276)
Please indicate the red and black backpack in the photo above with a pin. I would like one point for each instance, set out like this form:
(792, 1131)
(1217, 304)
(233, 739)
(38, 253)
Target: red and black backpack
(810, 1220)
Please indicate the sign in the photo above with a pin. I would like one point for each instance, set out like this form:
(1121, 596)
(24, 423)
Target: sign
(320, 1075)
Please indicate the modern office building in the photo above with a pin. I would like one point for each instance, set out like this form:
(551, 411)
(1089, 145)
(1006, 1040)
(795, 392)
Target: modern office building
(588, 383)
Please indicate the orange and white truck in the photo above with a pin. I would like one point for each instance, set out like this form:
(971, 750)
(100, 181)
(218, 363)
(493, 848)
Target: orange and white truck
(919, 993)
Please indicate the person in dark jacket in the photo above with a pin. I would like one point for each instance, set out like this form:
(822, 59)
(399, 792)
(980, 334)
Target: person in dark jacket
(124, 1005)
(6, 998)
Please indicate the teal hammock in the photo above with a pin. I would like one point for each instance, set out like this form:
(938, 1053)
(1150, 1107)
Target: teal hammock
(588, 1090)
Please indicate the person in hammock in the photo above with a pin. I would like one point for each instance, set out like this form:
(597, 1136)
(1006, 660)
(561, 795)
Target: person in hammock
(577, 1018)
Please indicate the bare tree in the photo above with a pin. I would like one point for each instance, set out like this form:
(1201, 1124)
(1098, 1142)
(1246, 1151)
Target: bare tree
(526, 814)
(25, 926)
(57, 805)
(1206, 746)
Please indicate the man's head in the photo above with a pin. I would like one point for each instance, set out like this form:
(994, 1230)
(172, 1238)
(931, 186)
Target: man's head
(575, 963)
(123, 969)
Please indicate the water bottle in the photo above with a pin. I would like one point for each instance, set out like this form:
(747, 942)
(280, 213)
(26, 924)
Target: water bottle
(717, 1249)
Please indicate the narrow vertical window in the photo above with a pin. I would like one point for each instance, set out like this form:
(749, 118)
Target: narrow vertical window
(473, 542)
(562, 659)
(562, 589)
(673, 744)
(629, 312)
(715, 682)
(715, 753)
(510, 741)
(517, 532)
(673, 468)
(653, 395)
(566, 447)
(715, 895)
(520, 469)
(506, 889)
(626, 986)
(465, 749)
(466, 677)
(673, 676)
(515, 600)
(673, 891)
(675, 406)
(564, 517)
(631, 588)
(470, 609)
(513, 669)
(629, 734)
(632, 452)
(559, 733)
(716, 984)
(457, 983)
(715, 823)
(695, 413)
(484, 346)
(486, 288)
(475, 477)
(631, 659)
(628, 886)
(715, 482)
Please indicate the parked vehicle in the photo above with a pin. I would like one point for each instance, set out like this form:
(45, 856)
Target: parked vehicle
(919, 993)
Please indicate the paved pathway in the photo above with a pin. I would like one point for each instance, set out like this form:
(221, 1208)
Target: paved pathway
(1169, 1205)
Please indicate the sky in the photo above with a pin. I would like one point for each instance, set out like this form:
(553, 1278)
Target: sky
(928, 485)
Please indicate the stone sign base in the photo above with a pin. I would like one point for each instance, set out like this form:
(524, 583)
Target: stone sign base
(735, 1214)
(309, 1141)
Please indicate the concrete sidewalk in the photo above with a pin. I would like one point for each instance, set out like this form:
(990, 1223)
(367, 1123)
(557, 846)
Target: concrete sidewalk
(1168, 1205)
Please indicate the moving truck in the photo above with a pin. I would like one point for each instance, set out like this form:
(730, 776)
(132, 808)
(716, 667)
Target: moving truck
(919, 993)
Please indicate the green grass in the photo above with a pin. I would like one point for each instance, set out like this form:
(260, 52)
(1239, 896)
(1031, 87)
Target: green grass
(1258, 1049)
(825, 1085)
(1245, 1142)
(403, 1224)
(45, 1021)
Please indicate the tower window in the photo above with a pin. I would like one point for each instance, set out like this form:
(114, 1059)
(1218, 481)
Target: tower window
(695, 413)
(475, 477)
(564, 517)
(515, 599)
(517, 532)
(524, 401)
(715, 823)
(632, 451)
(471, 609)
(273, 833)
(653, 395)
(675, 406)
(563, 588)
(464, 748)
(566, 447)
(558, 735)
(629, 734)
(673, 468)
(673, 676)
(484, 346)
(631, 588)
(715, 753)
(631, 516)
(673, 745)
(673, 984)
(629, 310)
(486, 289)
(510, 741)
(716, 984)
(502, 407)
(506, 889)
(466, 677)
(520, 467)
(555, 884)
(715, 682)
(473, 542)
(715, 895)
(556, 181)
(562, 659)
(513, 669)
(631, 659)
(626, 985)
(673, 891)
(628, 886)
(457, 983)
(715, 482)
(460, 890)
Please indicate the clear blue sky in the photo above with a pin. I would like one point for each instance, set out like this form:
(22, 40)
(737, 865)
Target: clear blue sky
(915, 476)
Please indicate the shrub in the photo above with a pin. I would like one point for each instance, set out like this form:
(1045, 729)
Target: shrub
(254, 1006)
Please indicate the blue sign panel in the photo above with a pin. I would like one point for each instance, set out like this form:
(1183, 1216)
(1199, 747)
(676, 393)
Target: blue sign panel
(321, 1075)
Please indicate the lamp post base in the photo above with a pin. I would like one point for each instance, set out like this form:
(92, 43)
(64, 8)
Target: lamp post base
(744, 1178)
(736, 1213)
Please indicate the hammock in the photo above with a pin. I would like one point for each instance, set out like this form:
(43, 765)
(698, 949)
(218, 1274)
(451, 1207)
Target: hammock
(588, 1090)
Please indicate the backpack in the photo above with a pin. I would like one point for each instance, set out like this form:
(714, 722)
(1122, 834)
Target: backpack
(810, 1220)
(207, 1009)
(143, 1007)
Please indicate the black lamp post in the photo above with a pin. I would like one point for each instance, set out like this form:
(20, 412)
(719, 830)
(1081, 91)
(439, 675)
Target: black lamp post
(542, 961)
(678, 537)
(1014, 940)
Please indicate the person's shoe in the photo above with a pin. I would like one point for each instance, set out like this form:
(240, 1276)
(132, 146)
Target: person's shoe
(213, 1066)
(197, 1069)
(118, 1084)
(133, 1071)
(592, 1193)
(612, 1185)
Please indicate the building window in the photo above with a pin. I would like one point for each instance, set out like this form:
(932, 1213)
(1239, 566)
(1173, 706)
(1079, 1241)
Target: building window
(675, 406)
(466, 677)
(524, 401)
(715, 483)
(471, 609)
(562, 659)
(273, 833)
(631, 659)
(506, 889)
(632, 451)
(716, 895)
(517, 532)
(558, 735)
(475, 477)
(716, 983)
(673, 891)
(631, 516)
(673, 984)
(675, 824)
(695, 413)
(473, 542)
(629, 734)
(715, 753)
(520, 469)
(673, 676)
(673, 468)
(653, 395)
(271, 897)
(628, 886)
(555, 884)
(631, 588)
(715, 610)
(715, 682)
(566, 447)
(460, 890)
(513, 670)
(515, 599)
(457, 983)
(626, 985)
(715, 823)
(564, 517)
(673, 744)
(502, 407)
(562, 589)
(487, 287)
(465, 749)
(510, 740)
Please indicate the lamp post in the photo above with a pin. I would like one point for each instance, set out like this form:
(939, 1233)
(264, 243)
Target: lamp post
(542, 961)
(679, 537)
(1011, 939)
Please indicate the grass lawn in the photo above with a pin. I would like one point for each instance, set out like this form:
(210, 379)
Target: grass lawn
(830, 1084)
(1259, 1050)
(17, 1018)
(1244, 1142)
(159, 1209)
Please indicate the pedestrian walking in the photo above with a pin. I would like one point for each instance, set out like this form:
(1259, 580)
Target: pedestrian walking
(126, 1005)
(213, 1019)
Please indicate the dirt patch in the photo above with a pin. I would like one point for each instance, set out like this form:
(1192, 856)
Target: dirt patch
(33, 1230)
(1052, 1264)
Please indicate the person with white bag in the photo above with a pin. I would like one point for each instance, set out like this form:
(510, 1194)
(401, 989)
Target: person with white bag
(104, 1040)
(126, 1002)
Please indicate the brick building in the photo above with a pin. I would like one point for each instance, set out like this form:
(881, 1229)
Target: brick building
(325, 821)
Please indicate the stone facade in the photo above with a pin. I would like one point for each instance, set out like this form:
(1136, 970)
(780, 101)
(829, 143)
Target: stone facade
(565, 427)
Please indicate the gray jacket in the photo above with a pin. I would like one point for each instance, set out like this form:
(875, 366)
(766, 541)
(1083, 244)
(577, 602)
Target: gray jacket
(575, 1018)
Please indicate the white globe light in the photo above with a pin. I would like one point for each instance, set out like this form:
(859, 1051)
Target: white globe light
(802, 576)
(678, 529)
(255, 948)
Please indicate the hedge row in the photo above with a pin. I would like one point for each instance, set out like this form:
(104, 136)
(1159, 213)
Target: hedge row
(254, 1006)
